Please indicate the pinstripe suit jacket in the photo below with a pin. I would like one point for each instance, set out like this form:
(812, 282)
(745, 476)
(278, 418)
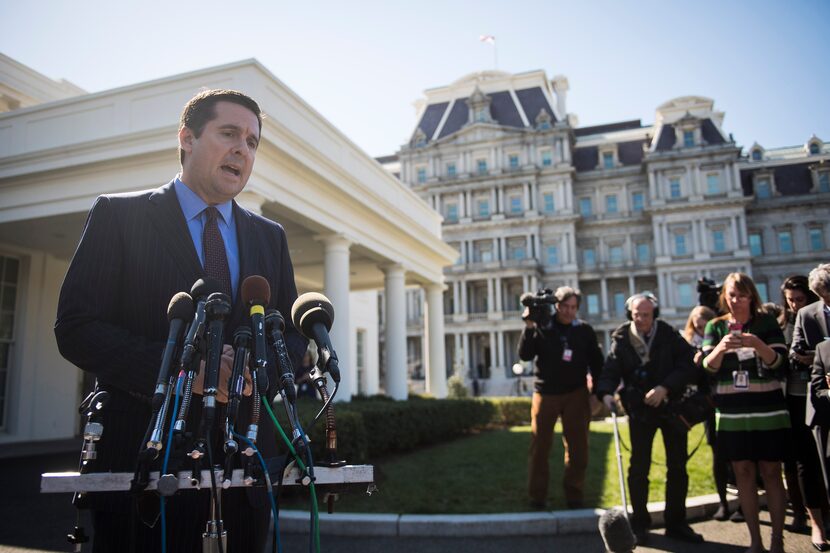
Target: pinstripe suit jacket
(809, 331)
(134, 255)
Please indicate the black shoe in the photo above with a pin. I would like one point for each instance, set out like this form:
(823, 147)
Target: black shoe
(737, 516)
(538, 505)
(722, 513)
(821, 546)
(684, 533)
(641, 535)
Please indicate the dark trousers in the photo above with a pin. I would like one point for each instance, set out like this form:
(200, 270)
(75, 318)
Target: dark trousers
(677, 480)
(808, 467)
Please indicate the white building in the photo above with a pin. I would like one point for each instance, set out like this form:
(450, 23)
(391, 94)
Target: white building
(531, 200)
(352, 228)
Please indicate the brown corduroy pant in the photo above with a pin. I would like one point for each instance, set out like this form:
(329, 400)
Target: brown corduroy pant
(574, 409)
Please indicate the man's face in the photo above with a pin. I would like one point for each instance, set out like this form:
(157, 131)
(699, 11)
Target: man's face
(642, 313)
(566, 310)
(218, 163)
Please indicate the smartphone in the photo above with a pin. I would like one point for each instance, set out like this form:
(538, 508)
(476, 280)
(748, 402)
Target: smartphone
(735, 329)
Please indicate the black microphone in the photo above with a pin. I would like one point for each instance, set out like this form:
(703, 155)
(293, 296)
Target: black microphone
(179, 313)
(241, 349)
(256, 293)
(217, 308)
(616, 531)
(313, 315)
(275, 325)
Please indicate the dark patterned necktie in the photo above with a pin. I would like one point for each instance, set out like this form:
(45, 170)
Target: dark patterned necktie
(216, 259)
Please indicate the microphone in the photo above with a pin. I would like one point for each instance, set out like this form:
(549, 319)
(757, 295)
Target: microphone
(217, 308)
(275, 325)
(256, 293)
(616, 531)
(179, 311)
(313, 315)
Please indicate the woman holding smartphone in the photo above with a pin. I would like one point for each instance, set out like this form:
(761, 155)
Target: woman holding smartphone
(745, 351)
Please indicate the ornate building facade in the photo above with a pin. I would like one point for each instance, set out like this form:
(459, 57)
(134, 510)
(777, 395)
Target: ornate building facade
(532, 200)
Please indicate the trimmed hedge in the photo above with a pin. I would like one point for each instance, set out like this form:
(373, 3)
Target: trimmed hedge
(371, 427)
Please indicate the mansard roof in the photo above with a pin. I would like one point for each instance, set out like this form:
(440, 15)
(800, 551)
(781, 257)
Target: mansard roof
(504, 110)
(608, 127)
(708, 130)
(629, 153)
(790, 179)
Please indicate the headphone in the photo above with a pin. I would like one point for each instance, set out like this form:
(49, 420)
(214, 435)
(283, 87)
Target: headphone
(647, 295)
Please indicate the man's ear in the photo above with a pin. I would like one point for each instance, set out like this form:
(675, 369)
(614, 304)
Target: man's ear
(186, 138)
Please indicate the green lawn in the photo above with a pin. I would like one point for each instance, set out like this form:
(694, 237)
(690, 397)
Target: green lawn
(487, 472)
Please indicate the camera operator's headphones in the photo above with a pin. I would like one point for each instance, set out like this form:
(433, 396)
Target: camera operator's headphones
(647, 295)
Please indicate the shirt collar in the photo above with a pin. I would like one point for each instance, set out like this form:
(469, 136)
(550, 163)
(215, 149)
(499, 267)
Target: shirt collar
(193, 206)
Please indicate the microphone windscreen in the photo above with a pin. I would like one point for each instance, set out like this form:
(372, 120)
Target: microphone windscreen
(616, 531)
(311, 308)
(256, 291)
(527, 299)
(274, 317)
(180, 307)
(204, 287)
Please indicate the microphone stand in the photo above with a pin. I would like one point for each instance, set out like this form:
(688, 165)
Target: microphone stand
(236, 383)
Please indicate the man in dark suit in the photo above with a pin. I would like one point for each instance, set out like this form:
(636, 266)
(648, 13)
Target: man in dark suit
(812, 327)
(138, 250)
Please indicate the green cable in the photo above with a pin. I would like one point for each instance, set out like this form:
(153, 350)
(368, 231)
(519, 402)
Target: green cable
(314, 507)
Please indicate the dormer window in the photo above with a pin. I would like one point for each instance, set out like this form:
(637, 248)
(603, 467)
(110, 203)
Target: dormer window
(608, 156)
(543, 120)
(763, 190)
(813, 146)
(607, 160)
(482, 115)
(815, 149)
(757, 154)
(687, 132)
(688, 138)
(420, 139)
(480, 107)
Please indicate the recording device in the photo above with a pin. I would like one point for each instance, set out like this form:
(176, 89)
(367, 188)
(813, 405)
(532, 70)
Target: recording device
(708, 293)
(256, 293)
(616, 531)
(313, 315)
(539, 305)
(217, 308)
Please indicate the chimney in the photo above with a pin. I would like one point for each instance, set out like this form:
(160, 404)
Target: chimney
(560, 86)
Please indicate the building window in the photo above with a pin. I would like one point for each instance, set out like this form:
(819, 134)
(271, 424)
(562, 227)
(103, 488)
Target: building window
(607, 160)
(637, 203)
(718, 241)
(516, 251)
(593, 304)
(513, 160)
(684, 295)
(756, 245)
(674, 188)
(515, 204)
(762, 189)
(679, 244)
(451, 170)
(816, 239)
(762, 291)
(713, 184)
(688, 139)
(547, 158)
(9, 267)
(757, 155)
(422, 175)
(619, 303)
(585, 207)
(452, 213)
(481, 166)
(615, 255)
(824, 181)
(785, 242)
(643, 253)
(553, 255)
(611, 203)
(547, 199)
(483, 207)
(815, 148)
(588, 257)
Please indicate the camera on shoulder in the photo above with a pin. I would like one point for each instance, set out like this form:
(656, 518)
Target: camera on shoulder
(539, 306)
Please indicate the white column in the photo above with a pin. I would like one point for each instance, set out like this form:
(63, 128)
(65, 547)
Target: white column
(534, 283)
(572, 246)
(733, 224)
(502, 358)
(465, 344)
(698, 186)
(464, 308)
(493, 200)
(462, 206)
(658, 239)
(457, 358)
(490, 296)
(526, 192)
(501, 199)
(631, 285)
(436, 373)
(395, 343)
(468, 203)
(336, 286)
(493, 354)
(502, 250)
(496, 254)
(742, 230)
(456, 297)
(566, 253)
(526, 284)
(696, 234)
(569, 195)
(653, 189)
(666, 238)
(499, 307)
(604, 290)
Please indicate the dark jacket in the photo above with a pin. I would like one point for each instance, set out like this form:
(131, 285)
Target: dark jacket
(809, 331)
(671, 364)
(552, 374)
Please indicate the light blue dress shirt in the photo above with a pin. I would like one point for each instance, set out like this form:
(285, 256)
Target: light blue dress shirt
(193, 208)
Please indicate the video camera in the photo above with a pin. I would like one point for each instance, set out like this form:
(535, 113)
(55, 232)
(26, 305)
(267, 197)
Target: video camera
(708, 293)
(539, 305)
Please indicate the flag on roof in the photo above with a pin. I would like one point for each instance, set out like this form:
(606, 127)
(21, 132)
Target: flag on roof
(489, 39)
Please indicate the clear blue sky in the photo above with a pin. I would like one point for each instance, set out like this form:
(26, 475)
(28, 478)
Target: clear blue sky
(362, 63)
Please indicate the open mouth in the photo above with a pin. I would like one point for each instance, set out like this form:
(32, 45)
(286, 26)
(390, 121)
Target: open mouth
(231, 170)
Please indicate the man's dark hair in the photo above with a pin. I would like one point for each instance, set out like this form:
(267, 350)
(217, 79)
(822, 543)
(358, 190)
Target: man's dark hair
(201, 108)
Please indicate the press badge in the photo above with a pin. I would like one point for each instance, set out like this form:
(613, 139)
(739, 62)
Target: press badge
(740, 379)
(567, 354)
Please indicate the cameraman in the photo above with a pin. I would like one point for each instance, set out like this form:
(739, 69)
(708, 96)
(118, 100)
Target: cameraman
(654, 363)
(564, 348)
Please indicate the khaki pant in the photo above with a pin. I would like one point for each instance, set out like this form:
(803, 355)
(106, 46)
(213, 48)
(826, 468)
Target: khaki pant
(575, 411)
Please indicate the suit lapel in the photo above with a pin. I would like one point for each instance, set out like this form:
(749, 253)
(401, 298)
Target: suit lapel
(248, 258)
(821, 319)
(166, 215)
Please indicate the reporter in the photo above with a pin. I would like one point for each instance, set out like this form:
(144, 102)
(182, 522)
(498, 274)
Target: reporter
(743, 349)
